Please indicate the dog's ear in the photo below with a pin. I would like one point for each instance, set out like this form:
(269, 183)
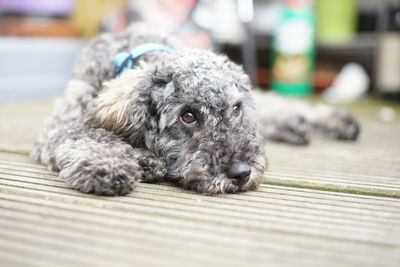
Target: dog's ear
(127, 103)
(121, 104)
(161, 77)
(161, 85)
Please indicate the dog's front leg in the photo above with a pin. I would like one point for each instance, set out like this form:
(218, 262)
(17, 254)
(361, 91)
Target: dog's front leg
(93, 160)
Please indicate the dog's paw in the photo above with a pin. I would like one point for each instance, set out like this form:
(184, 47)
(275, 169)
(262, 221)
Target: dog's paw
(293, 130)
(339, 124)
(106, 176)
(212, 188)
(153, 168)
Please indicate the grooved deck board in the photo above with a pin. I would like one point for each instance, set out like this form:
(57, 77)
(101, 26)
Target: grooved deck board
(328, 204)
(272, 225)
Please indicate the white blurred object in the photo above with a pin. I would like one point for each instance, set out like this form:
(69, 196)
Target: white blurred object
(227, 27)
(294, 37)
(351, 83)
(387, 114)
(204, 15)
(245, 10)
(388, 62)
(266, 16)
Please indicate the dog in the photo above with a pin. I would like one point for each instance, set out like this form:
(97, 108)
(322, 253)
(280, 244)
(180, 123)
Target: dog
(173, 114)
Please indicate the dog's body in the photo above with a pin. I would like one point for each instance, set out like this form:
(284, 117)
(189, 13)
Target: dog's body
(186, 117)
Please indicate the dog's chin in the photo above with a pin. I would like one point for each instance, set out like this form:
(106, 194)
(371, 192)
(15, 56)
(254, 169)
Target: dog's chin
(213, 186)
(256, 178)
(223, 185)
(197, 176)
(258, 167)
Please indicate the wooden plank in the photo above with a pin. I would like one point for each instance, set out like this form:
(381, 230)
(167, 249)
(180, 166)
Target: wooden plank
(328, 204)
(19, 123)
(274, 225)
(370, 166)
(48, 217)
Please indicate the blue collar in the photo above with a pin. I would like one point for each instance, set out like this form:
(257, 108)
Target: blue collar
(124, 60)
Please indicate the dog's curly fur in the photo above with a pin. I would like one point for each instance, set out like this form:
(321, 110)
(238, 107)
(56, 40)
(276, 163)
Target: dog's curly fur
(108, 134)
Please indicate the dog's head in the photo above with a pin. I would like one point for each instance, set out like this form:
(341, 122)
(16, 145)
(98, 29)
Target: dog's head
(195, 111)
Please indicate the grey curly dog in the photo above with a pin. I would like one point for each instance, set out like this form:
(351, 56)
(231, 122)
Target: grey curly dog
(187, 117)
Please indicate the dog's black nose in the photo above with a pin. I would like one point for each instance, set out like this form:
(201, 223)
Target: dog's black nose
(240, 172)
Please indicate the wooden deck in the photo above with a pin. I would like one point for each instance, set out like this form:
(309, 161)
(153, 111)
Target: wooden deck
(329, 204)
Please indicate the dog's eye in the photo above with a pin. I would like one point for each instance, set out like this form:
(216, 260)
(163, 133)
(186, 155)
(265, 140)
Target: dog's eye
(237, 110)
(188, 117)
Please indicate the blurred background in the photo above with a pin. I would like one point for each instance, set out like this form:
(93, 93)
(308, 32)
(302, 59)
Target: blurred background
(341, 49)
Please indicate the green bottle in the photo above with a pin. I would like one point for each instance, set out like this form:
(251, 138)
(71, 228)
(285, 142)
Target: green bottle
(293, 52)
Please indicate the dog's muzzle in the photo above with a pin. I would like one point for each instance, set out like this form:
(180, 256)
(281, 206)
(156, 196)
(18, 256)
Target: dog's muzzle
(239, 172)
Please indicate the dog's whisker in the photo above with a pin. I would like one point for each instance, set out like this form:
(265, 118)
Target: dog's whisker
(222, 186)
